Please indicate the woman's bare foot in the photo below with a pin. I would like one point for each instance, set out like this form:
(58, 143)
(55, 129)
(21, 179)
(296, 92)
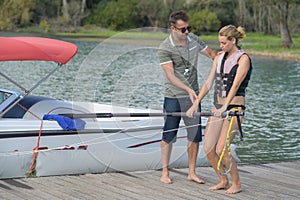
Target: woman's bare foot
(195, 179)
(165, 179)
(233, 189)
(220, 186)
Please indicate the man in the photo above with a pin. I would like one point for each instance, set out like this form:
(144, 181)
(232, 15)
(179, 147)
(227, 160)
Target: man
(178, 55)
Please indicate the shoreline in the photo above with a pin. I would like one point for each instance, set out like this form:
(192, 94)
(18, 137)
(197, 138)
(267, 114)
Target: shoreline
(277, 56)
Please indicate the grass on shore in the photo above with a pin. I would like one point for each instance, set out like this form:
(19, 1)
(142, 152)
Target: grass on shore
(267, 45)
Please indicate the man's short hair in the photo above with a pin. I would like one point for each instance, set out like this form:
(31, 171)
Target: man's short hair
(178, 15)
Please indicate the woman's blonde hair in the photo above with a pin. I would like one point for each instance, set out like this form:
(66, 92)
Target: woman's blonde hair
(231, 32)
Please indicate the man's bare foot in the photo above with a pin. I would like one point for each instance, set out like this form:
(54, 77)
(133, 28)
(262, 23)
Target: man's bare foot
(233, 189)
(220, 186)
(165, 179)
(195, 179)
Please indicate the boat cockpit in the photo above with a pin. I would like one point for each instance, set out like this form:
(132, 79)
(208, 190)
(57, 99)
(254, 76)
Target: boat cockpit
(7, 99)
(14, 104)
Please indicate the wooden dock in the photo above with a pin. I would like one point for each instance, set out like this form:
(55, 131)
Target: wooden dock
(259, 181)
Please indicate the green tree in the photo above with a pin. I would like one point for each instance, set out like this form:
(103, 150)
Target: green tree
(45, 10)
(204, 20)
(116, 15)
(155, 13)
(283, 6)
(151, 12)
(15, 12)
(223, 9)
(275, 17)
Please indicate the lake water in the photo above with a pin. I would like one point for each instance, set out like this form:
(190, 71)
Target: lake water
(130, 75)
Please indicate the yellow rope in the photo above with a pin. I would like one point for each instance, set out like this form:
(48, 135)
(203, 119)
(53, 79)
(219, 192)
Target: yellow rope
(227, 144)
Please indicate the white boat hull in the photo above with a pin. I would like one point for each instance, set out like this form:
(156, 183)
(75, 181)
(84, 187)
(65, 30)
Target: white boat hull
(105, 145)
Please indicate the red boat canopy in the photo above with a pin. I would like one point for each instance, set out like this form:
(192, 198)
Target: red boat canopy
(36, 48)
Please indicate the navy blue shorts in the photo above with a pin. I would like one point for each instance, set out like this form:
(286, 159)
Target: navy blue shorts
(194, 133)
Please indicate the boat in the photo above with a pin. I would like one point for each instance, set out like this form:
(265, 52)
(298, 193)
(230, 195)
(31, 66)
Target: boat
(42, 136)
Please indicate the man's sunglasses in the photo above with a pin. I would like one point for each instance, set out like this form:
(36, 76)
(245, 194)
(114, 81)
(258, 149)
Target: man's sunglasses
(183, 30)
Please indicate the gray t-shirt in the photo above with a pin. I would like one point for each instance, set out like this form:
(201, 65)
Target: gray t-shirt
(182, 58)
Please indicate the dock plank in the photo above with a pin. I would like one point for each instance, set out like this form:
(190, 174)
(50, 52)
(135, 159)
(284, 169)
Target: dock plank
(259, 181)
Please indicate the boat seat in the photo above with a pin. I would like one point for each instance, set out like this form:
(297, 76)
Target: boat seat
(18, 112)
(33, 106)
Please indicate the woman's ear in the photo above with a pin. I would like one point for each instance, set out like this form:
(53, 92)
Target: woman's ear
(234, 40)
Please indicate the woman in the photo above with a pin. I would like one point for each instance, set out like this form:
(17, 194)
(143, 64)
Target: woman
(231, 72)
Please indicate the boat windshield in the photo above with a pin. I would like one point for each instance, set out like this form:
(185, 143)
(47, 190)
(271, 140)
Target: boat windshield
(7, 98)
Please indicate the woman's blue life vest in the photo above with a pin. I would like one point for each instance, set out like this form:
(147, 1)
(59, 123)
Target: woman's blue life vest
(226, 72)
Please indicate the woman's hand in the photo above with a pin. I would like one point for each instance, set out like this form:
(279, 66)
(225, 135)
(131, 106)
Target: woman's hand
(192, 110)
(192, 95)
(220, 111)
